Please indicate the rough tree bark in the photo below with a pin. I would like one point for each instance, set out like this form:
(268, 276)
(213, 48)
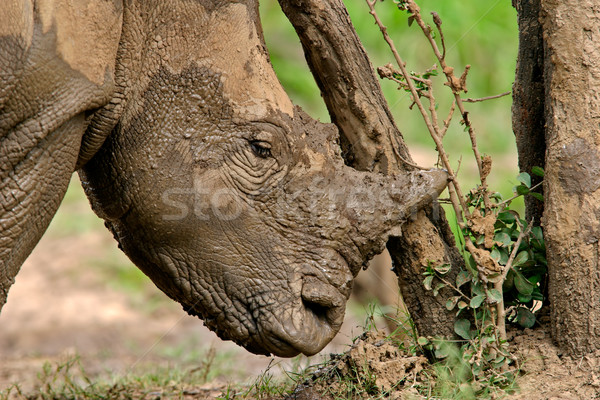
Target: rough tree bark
(572, 180)
(371, 141)
(528, 98)
(556, 97)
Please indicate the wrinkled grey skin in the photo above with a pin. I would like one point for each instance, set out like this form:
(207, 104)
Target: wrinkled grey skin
(235, 203)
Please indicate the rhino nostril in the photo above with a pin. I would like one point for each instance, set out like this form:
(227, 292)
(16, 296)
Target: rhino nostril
(321, 297)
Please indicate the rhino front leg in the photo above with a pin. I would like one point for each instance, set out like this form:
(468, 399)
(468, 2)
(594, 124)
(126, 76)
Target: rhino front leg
(53, 72)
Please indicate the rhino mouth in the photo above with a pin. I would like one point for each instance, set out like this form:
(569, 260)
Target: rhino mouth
(315, 314)
(308, 333)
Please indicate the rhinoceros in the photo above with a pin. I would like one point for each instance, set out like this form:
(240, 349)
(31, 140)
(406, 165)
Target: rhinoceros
(235, 203)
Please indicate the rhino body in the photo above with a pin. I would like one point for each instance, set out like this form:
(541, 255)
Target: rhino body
(234, 202)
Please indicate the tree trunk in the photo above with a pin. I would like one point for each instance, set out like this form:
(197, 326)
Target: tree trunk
(572, 181)
(555, 119)
(528, 98)
(371, 141)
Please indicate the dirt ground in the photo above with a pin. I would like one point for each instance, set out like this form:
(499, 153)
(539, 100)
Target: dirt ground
(75, 296)
(546, 374)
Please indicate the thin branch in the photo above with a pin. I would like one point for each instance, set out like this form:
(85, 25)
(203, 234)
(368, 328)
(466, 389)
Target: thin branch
(500, 310)
(470, 100)
(507, 201)
(457, 290)
(404, 160)
(462, 210)
(438, 23)
(448, 119)
(456, 84)
(515, 249)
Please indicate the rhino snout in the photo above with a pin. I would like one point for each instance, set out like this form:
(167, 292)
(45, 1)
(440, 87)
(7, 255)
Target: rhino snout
(314, 320)
(324, 300)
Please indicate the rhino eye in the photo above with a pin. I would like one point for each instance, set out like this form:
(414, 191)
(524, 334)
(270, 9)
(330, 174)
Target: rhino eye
(260, 149)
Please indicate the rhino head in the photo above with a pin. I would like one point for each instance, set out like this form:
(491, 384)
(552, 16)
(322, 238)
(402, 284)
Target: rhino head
(235, 203)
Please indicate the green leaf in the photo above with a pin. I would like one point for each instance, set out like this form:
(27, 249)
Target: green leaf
(521, 258)
(451, 302)
(494, 296)
(461, 305)
(537, 171)
(525, 179)
(540, 259)
(524, 298)
(503, 255)
(478, 289)
(462, 278)
(507, 217)
(480, 240)
(495, 254)
(503, 238)
(514, 233)
(537, 233)
(442, 351)
(470, 262)
(534, 279)
(537, 240)
(437, 288)
(422, 341)
(522, 284)
(427, 282)
(522, 190)
(476, 301)
(496, 196)
(537, 294)
(525, 318)
(499, 361)
(462, 327)
(536, 195)
(443, 269)
(509, 282)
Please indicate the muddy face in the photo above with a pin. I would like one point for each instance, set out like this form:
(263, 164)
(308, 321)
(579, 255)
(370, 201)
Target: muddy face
(240, 207)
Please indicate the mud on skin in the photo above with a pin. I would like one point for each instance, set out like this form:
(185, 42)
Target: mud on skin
(256, 226)
(235, 203)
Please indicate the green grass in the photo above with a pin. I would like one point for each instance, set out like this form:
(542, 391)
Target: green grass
(341, 376)
(68, 379)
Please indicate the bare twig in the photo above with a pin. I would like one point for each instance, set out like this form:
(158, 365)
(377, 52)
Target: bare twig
(448, 119)
(438, 23)
(501, 205)
(500, 310)
(456, 84)
(460, 207)
(404, 160)
(497, 96)
(513, 253)
(457, 290)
